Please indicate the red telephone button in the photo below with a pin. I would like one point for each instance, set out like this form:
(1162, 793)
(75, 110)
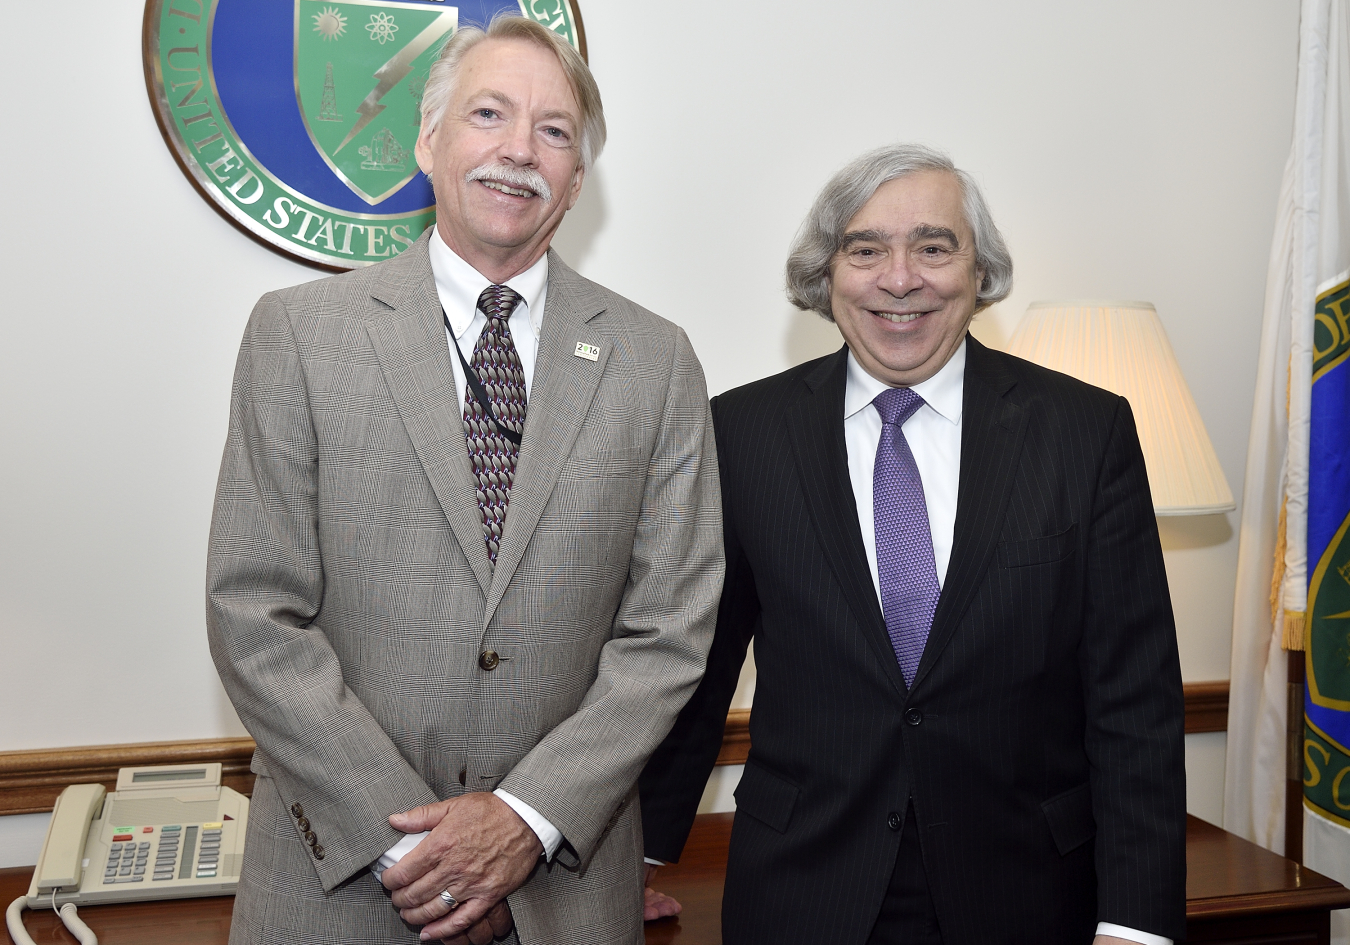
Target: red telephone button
(121, 836)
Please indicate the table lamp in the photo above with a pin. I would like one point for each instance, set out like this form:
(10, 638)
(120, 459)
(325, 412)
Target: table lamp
(1122, 347)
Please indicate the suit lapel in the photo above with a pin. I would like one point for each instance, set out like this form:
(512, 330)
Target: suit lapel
(992, 430)
(816, 428)
(411, 346)
(560, 397)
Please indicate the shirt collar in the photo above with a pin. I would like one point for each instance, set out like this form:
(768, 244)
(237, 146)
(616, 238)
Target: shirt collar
(943, 391)
(459, 285)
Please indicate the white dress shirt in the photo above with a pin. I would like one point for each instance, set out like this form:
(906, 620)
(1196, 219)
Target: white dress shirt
(933, 433)
(458, 285)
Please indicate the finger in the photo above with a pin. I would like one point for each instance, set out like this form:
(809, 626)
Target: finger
(419, 818)
(657, 905)
(480, 933)
(500, 918)
(437, 908)
(456, 923)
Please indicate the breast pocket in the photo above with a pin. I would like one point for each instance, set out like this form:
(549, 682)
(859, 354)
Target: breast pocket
(1026, 553)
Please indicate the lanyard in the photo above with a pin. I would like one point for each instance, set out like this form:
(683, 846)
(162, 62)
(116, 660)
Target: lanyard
(475, 385)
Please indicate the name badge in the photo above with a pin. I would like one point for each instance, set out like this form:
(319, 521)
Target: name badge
(589, 352)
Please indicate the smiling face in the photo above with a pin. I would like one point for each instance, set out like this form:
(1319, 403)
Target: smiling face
(903, 284)
(505, 157)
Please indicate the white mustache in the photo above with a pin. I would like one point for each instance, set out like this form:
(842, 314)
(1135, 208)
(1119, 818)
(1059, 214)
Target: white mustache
(523, 178)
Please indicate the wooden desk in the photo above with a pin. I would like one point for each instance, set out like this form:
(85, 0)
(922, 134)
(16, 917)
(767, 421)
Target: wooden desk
(1235, 891)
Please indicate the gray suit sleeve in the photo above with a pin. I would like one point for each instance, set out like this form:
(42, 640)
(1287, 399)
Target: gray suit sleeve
(265, 584)
(582, 771)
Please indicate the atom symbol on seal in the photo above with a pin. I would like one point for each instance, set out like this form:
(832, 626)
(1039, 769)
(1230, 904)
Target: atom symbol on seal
(330, 24)
(381, 27)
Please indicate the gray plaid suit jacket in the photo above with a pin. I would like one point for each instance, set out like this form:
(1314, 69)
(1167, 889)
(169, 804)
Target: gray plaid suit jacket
(349, 595)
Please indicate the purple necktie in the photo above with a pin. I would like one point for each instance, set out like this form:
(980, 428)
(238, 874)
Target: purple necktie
(908, 575)
(493, 456)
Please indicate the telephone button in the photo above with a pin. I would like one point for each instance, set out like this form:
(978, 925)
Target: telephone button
(121, 836)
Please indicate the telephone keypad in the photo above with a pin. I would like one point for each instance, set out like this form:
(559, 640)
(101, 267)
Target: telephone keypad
(129, 861)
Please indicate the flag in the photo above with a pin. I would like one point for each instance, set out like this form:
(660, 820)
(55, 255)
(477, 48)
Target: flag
(1293, 589)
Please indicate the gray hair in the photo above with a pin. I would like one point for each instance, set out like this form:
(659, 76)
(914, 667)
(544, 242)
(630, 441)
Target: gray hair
(822, 233)
(445, 72)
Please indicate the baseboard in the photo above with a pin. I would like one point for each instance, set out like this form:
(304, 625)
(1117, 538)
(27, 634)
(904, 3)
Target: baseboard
(31, 780)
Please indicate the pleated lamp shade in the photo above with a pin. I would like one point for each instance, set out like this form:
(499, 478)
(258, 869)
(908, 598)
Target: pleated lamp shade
(1122, 347)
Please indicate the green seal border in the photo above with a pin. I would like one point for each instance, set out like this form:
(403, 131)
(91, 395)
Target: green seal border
(236, 185)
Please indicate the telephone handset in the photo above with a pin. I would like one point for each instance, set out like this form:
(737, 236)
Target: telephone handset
(166, 832)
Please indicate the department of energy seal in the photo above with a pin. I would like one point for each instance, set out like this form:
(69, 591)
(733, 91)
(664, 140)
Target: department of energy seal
(296, 119)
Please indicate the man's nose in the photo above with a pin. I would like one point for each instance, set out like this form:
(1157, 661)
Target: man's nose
(518, 144)
(900, 277)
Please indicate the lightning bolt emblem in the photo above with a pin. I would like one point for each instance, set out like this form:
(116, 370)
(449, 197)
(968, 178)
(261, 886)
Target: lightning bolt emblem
(396, 69)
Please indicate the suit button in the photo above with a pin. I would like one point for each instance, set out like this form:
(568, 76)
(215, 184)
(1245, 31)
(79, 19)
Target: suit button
(488, 660)
(318, 850)
(297, 810)
(304, 823)
(310, 838)
(913, 716)
(894, 821)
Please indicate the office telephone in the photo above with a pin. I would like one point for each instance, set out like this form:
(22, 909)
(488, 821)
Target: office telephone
(166, 832)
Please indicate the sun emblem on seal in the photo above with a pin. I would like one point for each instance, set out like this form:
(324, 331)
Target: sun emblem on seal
(330, 24)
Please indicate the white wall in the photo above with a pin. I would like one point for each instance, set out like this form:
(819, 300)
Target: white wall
(1129, 150)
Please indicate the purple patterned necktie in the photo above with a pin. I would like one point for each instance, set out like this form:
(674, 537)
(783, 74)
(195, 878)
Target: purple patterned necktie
(493, 456)
(905, 567)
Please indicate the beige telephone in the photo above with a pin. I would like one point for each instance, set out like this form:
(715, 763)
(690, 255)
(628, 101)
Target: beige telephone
(170, 832)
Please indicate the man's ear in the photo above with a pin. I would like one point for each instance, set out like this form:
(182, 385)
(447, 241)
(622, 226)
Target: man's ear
(577, 178)
(424, 148)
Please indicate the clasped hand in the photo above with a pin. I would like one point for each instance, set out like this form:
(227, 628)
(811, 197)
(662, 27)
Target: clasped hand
(479, 850)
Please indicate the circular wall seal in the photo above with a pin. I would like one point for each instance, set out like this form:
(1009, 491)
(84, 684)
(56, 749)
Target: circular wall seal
(296, 119)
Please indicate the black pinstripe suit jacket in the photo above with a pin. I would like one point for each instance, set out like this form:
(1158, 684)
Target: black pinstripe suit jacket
(1041, 742)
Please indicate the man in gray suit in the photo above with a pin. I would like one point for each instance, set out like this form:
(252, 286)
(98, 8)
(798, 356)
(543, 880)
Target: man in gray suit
(466, 550)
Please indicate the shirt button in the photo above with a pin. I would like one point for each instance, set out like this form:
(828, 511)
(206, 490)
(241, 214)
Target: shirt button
(488, 660)
(913, 716)
(894, 821)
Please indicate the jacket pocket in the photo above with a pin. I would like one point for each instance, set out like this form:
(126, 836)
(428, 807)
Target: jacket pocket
(1070, 818)
(1025, 553)
(766, 797)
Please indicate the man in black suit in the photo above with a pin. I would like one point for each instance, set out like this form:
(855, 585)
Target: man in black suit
(968, 714)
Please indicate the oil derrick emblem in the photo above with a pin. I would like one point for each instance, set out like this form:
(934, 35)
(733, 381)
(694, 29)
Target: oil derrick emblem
(328, 106)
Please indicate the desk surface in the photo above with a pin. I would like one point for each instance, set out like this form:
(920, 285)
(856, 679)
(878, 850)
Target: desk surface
(1227, 877)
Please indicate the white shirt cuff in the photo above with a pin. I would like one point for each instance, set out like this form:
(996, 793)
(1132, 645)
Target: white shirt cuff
(548, 834)
(1133, 935)
(397, 852)
(650, 862)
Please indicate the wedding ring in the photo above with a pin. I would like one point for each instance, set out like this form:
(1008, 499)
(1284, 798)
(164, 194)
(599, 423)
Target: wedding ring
(449, 900)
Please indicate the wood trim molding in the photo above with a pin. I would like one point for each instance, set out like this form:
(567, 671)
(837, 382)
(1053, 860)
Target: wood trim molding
(735, 738)
(1206, 706)
(31, 780)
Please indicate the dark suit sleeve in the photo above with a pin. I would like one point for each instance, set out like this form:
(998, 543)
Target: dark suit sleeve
(1133, 698)
(672, 784)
